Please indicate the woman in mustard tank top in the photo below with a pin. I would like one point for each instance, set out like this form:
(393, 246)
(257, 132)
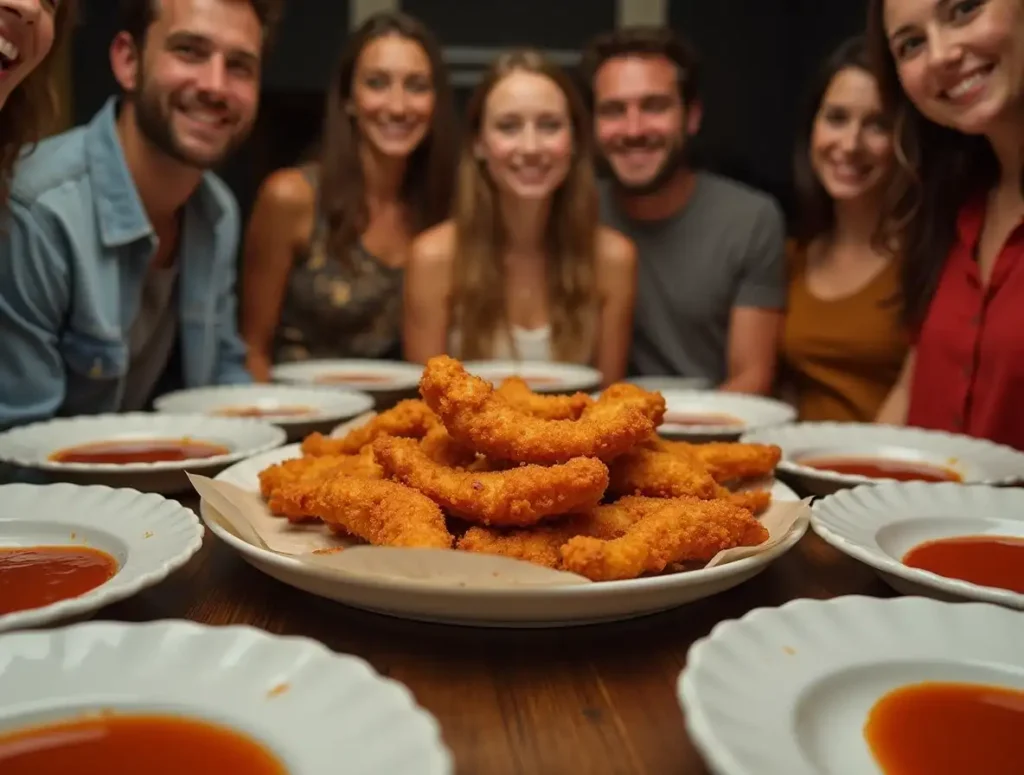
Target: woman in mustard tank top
(843, 340)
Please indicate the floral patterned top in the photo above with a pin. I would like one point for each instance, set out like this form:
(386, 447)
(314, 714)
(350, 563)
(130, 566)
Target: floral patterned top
(339, 309)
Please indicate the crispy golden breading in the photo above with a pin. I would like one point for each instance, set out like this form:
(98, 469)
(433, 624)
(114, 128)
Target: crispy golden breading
(485, 422)
(439, 446)
(518, 496)
(643, 471)
(411, 418)
(672, 531)
(277, 480)
(547, 407)
(542, 544)
(727, 462)
(381, 512)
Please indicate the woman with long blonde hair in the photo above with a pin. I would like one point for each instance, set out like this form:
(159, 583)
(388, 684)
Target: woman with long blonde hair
(29, 30)
(523, 270)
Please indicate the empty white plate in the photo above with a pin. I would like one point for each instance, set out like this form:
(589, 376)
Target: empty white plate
(711, 415)
(298, 410)
(974, 461)
(315, 711)
(541, 376)
(879, 524)
(787, 691)
(231, 439)
(147, 535)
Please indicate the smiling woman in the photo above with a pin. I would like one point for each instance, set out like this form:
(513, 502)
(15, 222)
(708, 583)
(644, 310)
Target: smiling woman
(327, 242)
(29, 31)
(524, 270)
(843, 342)
(953, 74)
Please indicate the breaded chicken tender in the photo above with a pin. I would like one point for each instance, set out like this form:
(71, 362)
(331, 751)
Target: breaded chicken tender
(410, 418)
(519, 496)
(488, 424)
(672, 531)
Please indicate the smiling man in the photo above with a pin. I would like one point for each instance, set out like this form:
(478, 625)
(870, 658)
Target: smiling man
(711, 282)
(117, 264)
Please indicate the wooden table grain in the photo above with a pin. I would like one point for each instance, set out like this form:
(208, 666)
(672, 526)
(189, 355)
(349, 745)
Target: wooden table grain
(595, 699)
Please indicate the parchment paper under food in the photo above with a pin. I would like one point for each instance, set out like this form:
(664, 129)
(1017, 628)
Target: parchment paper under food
(244, 514)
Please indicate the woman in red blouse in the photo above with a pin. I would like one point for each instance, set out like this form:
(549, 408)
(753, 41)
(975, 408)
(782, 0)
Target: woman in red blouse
(953, 72)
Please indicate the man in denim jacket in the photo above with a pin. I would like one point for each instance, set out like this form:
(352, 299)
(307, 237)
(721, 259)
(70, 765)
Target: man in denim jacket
(118, 256)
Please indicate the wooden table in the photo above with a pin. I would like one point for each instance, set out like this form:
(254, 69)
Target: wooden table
(595, 699)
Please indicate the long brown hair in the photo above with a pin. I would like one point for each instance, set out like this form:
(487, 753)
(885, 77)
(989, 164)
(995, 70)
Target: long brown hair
(478, 298)
(34, 105)
(427, 188)
(937, 169)
(816, 208)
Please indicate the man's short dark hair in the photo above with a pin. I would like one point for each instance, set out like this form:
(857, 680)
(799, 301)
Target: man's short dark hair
(138, 15)
(646, 41)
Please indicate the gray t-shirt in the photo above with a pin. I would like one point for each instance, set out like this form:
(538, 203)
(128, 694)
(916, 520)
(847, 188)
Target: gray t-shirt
(724, 249)
(152, 336)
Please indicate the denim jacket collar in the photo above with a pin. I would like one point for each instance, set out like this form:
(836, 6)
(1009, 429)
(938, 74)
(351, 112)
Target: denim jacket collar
(121, 216)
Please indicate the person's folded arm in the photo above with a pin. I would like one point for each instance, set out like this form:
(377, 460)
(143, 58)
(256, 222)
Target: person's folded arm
(755, 322)
(428, 283)
(278, 222)
(616, 276)
(896, 405)
(34, 290)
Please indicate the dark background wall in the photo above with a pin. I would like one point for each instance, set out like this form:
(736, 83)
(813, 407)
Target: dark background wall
(757, 58)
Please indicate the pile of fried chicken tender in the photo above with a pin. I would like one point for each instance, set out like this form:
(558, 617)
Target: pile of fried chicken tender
(570, 482)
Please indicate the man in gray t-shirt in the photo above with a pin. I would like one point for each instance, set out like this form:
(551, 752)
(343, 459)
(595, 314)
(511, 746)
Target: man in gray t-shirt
(711, 284)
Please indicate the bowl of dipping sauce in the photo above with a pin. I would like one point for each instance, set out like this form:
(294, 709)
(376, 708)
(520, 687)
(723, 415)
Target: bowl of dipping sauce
(147, 452)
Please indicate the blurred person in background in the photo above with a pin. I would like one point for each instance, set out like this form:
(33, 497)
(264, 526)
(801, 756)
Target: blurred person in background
(953, 73)
(328, 243)
(843, 341)
(29, 31)
(711, 279)
(523, 270)
(117, 270)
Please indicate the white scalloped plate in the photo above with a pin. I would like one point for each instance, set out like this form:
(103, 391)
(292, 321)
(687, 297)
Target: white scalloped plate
(519, 607)
(30, 447)
(541, 376)
(878, 524)
(751, 412)
(976, 460)
(319, 712)
(367, 375)
(323, 408)
(149, 536)
(786, 691)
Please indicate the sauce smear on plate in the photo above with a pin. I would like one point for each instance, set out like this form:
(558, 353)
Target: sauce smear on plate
(947, 729)
(353, 379)
(110, 744)
(31, 577)
(139, 451)
(883, 468)
(256, 411)
(991, 561)
(702, 418)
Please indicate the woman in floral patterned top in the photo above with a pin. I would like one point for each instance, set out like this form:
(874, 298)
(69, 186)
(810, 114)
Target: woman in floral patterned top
(327, 244)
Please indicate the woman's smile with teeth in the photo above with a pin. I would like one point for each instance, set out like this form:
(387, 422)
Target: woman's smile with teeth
(8, 51)
(966, 85)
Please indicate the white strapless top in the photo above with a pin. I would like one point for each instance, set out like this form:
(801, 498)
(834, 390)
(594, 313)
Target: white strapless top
(532, 344)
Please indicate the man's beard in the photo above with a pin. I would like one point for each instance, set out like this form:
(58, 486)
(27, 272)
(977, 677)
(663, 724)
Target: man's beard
(676, 159)
(154, 122)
